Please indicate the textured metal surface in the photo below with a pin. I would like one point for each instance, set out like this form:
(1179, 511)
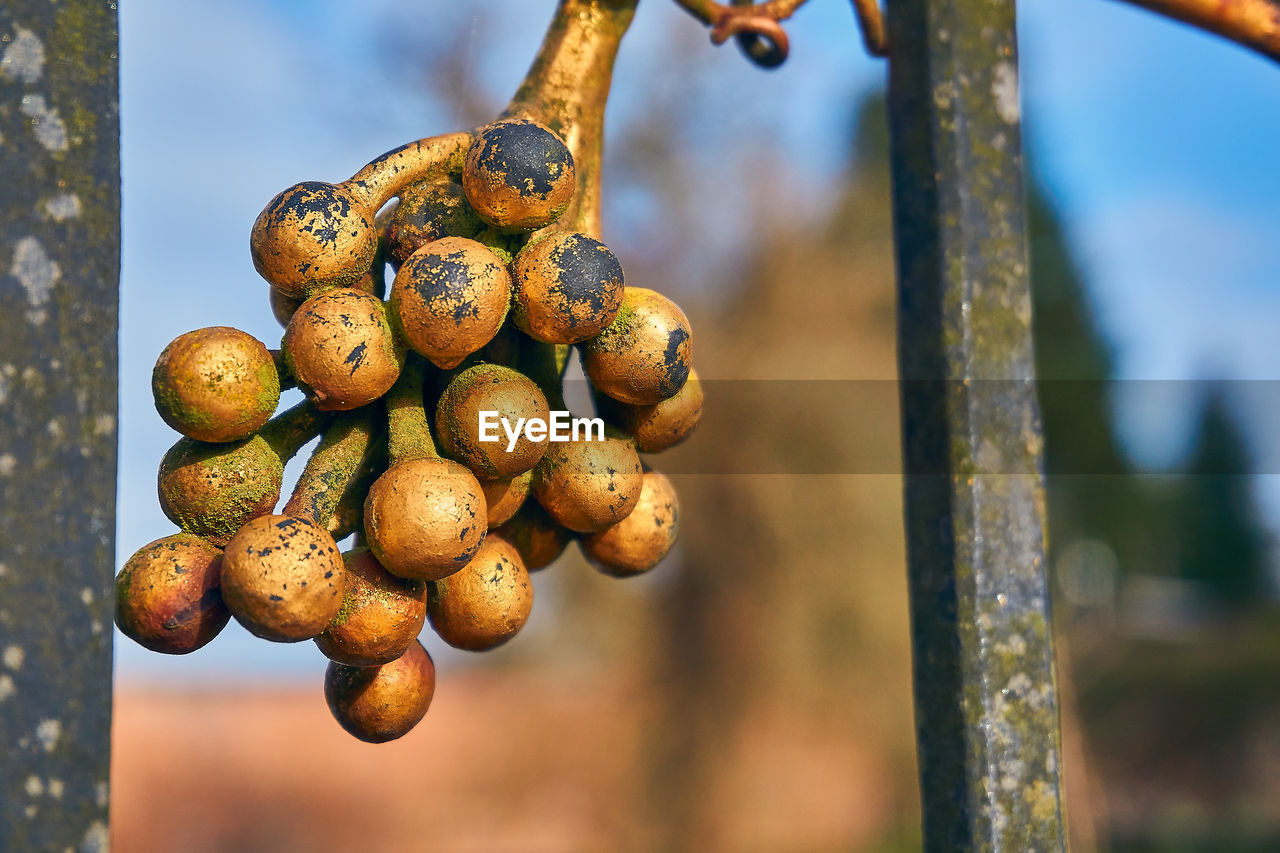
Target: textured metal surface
(986, 704)
(59, 269)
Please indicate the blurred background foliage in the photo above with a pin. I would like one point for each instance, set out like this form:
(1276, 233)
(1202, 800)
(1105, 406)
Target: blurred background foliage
(753, 693)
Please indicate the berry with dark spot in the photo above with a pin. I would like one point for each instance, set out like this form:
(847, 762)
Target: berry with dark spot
(377, 704)
(374, 282)
(567, 288)
(215, 384)
(340, 348)
(659, 426)
(449, 299)
(283, 578)
(490, 388)
(636, 544)
(429, 211)
(313, 237)
(167, 595)
(519, 175)
(425, 518)
(381, 614)
(644, 356)
(589, 485)
(486, 603)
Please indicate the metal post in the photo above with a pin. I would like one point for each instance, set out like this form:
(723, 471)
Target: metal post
(986, 703)
(59, 270)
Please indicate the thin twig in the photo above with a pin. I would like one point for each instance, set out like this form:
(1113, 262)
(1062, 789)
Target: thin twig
(706, 11)
(712, 13)
(332, 467)
(757, 21)
(1252, 23)
(289, 431)
(408, 422)
(348, 515)
(871, 22)
(779, 10)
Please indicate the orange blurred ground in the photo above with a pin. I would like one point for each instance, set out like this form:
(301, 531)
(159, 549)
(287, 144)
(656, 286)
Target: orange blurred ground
(503, 761)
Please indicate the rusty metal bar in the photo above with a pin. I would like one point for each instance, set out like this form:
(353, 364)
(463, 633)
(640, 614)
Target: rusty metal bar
(59, 271)
(986, 700)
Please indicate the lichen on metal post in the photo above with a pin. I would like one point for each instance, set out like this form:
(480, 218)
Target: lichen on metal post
(986, 701)
(59, 272)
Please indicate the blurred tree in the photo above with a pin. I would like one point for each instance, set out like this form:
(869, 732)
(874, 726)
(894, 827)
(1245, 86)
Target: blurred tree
(1165, 725)
(1206, 528)
(1222, 542)
(1092, 490)
(782, 649)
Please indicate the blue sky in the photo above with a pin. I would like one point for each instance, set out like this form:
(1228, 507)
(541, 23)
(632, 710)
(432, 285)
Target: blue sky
(1156, 143)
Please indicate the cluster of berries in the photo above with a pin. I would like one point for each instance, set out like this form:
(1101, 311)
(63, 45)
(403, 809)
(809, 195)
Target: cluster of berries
(489, 297)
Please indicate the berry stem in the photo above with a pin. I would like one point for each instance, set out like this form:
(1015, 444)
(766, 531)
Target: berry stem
(410, 431)
(545, 365)
(567, 88)
(348, 516)
(434, 157)
(331, 469)
(282, 369)
(606, 407)
(290, 430)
